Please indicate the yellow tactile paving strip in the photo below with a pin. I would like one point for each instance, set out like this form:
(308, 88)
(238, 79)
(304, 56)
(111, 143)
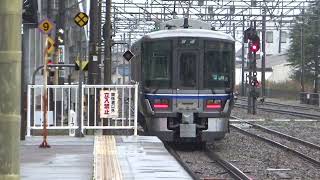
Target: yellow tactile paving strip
(106, 164)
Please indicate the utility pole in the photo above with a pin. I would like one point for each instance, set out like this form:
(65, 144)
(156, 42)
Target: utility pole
(242, 62)
(93, 59)
(316, 71)
(60, 25)
(10, 78)
(234, 30)
(123, 62)
(99, 42)
(263, 59)
(280, 33)
(129, 44)
(107, 49)
(317, 53)
(107, 44)
(302, 54)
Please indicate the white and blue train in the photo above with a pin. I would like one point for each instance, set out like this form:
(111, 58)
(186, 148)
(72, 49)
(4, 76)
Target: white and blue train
(186, 79)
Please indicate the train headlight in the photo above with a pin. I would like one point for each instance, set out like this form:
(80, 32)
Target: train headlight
(213, 104)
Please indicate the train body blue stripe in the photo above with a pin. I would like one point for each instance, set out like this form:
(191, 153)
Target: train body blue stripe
(189, 96)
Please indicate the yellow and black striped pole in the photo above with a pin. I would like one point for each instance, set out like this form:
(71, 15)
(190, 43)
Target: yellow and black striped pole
(44, 143)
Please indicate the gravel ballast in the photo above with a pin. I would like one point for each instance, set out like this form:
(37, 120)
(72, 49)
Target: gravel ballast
(261, 160)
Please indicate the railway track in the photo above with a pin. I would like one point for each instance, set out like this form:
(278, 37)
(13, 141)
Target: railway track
(282, 111)
(185, 166)
(304, 149)
(276, 104)
(233, 171)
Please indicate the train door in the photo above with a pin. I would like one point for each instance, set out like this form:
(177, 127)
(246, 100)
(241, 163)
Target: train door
(188, 80)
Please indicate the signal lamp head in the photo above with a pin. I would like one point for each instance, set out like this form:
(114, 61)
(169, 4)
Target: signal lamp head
(255, 46)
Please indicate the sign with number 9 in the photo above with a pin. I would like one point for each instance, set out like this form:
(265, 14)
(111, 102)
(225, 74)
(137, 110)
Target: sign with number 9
(46, 26)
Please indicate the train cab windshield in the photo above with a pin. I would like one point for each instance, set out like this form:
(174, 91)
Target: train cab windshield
(185, 66)
(157, 64)
(218, 63)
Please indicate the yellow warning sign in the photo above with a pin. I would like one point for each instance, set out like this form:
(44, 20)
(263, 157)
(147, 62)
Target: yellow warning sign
(50, 45)
(46, 26)
(81, 19)
(83, 66)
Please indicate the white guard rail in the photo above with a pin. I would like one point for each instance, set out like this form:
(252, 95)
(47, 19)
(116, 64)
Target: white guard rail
(102, 107)
(114, 107)
(62, 105)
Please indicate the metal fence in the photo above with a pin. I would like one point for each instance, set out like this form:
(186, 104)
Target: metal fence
(309, 98)
(102, 107)
(109, 107)
(62, 105)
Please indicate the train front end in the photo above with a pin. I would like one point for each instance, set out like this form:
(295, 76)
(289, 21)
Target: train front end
(187, 82)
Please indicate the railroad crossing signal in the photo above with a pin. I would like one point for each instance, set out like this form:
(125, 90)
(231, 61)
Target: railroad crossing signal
(81, 19)
(46, 26)
(50, 45)
(128, 55)
(83, 66)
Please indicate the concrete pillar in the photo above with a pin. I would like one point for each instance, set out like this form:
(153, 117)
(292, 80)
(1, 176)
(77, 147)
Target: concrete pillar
(10, 86)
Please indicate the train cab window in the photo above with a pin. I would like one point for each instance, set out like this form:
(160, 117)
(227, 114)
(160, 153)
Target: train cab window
(188, 70)
(159, 67)
(157, 64)
(218, 60)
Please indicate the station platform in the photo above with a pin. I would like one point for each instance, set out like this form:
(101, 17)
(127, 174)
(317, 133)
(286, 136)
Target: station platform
(68, 158)
(99, 158)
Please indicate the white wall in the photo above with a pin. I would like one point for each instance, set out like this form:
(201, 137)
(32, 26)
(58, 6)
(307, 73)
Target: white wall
(273, 48)
(281, 73)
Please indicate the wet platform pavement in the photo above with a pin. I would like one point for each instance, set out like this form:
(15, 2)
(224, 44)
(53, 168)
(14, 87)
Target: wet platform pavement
(145, 157)
(99, 158)
(68, 158)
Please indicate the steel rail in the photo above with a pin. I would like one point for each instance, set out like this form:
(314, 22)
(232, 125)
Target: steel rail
(267, 140)
(234, 171)
(281, 111)
(287, 105)
(180, 161)
(292, 138)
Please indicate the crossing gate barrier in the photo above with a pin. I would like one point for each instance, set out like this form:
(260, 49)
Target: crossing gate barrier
(101, 107)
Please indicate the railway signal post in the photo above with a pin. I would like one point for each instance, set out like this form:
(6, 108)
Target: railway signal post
(81, 19)
(254, 45)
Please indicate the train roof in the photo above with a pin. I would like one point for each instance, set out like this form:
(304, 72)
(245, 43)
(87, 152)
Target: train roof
(203, 33)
